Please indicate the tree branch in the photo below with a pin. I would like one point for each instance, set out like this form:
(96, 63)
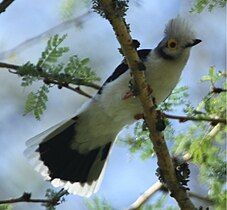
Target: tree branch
(48, 79)
(26, 197)
(77, 21)
(4, 4)
(75, 89)
(164, 160)
(144, 197)
(187, 118)
(218, 90)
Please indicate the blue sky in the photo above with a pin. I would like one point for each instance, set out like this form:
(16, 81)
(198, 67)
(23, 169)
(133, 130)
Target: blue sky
(126, 176)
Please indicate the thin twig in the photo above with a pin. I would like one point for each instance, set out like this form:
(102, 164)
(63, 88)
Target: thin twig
(26, 197)
(187, 118)
(218, 90)
(9, 66)
(146, 195)
(81, 92)
(47, 78)
(4, 4)
(77, 21)
(75, 89)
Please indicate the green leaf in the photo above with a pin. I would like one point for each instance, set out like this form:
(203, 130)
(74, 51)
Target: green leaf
(79, 69)
(97, 204)
(5, 207)
(206, 78)
(178, 97)
(52, 52)
(29, 74)
(200, 5)
(36, 102)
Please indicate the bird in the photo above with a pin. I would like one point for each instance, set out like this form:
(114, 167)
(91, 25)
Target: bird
(74, 153)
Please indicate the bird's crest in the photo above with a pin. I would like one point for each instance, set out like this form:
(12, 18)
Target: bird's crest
(178, 28)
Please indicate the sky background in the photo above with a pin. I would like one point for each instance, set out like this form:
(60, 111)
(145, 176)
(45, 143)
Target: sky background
(126, 176)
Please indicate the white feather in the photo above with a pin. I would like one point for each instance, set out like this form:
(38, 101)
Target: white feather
(178, 28)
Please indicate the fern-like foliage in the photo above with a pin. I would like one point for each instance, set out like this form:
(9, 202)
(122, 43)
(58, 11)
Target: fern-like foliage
(98, 204)
(77, 68)
(50, 70)
(200, 5)
(208, 152)
(36, 102)
(159, 205)
(29, 74)
(5, 207)
(52, 52)
(178, 97)
(54, 196)
(68, 7)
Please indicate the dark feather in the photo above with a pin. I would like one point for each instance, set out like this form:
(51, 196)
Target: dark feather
(67, 164)
(123, 67)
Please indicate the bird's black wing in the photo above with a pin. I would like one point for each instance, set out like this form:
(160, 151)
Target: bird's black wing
(66, 163)
(123, 67)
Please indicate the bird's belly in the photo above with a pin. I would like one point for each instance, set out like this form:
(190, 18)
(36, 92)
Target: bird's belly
(108, 113)
(121, 111)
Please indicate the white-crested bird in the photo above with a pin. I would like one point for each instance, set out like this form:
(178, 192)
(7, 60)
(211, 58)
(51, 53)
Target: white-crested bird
(73, 154)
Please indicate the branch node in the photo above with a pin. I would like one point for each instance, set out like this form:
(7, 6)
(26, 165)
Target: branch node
(26, 196)
(135, 43)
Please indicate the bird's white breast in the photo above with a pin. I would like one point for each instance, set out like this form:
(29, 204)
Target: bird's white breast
(106, 114)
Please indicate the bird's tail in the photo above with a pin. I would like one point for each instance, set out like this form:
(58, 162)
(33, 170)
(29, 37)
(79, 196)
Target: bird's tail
(65, 167)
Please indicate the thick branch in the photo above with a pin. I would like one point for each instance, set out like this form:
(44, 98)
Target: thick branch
(142, 199)
(164, 160)
(188, 118)
(26, 197)
(47, 78)
(4, 4)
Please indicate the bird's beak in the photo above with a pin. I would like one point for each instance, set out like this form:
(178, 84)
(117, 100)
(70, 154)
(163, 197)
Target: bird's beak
(195, 42)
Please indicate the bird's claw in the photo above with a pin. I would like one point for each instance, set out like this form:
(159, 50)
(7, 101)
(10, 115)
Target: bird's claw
(128, 95)
(149, 90)
(139, 116)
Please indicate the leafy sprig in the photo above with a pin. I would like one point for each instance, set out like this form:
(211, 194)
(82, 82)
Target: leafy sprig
(36, 102)
(200, 5)
(52, 72)
(98, 204)
(52, 52)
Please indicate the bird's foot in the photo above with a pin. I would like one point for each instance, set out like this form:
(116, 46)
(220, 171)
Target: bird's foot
(149, 90)
(128, 95)
(161, 123)
(139, 116)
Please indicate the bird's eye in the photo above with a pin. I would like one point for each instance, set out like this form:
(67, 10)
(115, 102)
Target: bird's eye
(172, 44)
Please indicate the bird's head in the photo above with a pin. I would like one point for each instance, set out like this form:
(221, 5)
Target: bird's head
(179, 38)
